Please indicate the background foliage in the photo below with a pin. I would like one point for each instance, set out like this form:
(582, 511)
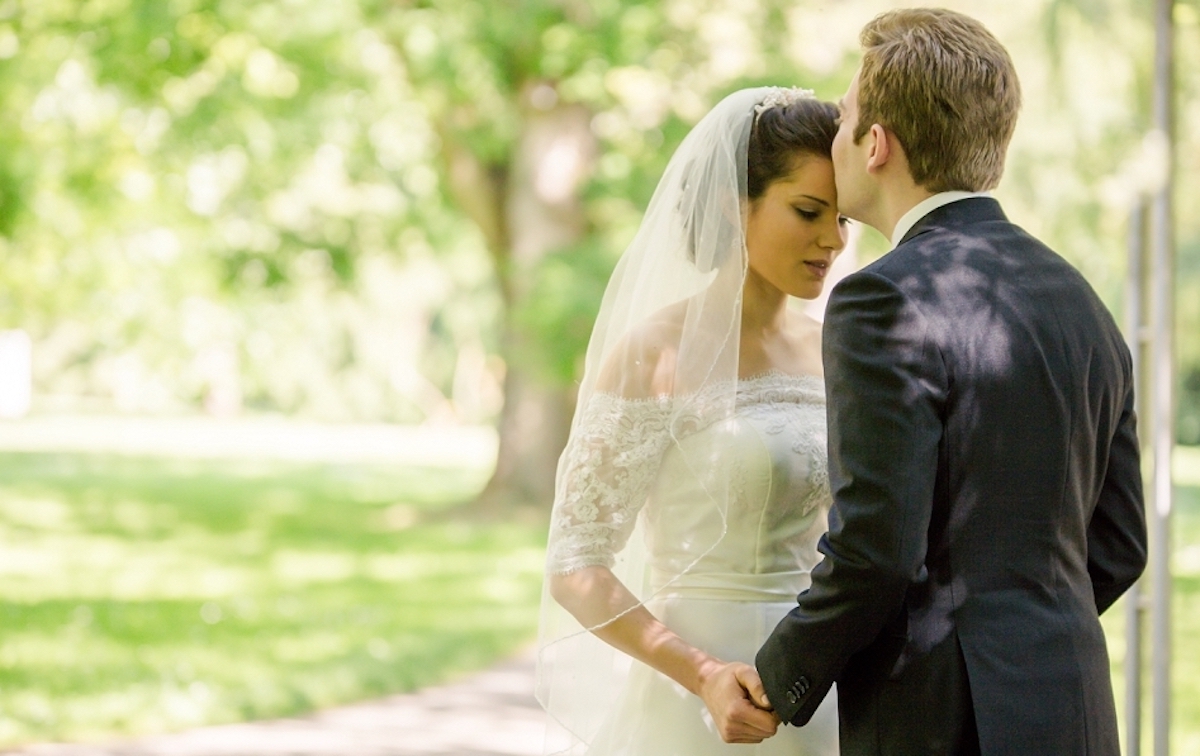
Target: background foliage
(229, 206)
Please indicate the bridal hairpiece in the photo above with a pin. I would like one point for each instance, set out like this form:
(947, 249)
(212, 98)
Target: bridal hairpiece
(782, 97)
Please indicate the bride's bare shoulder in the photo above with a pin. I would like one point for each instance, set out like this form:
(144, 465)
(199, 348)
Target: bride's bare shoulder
(642, 364)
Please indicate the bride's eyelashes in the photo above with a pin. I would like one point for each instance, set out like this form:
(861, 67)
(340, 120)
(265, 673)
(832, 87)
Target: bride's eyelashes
(812, 215)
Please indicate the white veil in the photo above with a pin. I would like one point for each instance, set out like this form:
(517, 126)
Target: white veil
(662, 363)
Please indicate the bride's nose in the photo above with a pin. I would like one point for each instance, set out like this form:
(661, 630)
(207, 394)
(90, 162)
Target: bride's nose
(834, 237)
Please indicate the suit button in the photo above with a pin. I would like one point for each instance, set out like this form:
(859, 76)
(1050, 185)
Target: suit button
(791, 697)
(802, 685)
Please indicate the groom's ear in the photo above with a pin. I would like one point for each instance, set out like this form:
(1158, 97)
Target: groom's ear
(879, 147)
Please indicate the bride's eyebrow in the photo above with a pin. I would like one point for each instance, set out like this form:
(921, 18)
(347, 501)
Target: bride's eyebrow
(816, 199)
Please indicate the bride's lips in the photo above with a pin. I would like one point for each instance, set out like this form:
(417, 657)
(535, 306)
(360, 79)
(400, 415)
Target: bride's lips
(819, 268)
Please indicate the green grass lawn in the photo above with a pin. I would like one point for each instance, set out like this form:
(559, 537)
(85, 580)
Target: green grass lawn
(142, 595)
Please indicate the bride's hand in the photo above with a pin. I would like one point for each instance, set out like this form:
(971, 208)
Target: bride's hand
(738, 704)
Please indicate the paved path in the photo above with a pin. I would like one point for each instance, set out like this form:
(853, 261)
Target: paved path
(491, 713)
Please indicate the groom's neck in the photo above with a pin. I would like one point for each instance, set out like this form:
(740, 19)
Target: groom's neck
(895, 200)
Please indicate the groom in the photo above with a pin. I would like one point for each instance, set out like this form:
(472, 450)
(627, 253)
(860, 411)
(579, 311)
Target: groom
(982, 448)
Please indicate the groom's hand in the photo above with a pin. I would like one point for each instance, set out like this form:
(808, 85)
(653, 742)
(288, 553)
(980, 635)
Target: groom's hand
(738, 704)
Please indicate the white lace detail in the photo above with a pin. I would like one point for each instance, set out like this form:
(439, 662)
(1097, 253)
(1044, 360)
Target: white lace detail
(615, 452)
(608, 467)
(775, 388)
(804, 424)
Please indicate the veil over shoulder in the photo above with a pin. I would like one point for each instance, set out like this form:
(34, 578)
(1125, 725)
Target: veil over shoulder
(662, 364)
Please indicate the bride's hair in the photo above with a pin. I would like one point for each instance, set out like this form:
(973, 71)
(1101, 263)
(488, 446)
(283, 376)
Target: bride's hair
(779, 135)
(783, 133)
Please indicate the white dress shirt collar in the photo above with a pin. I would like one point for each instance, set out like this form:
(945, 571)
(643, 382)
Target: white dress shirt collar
(927, 206)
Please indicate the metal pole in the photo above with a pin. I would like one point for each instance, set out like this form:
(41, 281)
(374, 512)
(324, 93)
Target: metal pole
(1162, 308)
(1136, 334)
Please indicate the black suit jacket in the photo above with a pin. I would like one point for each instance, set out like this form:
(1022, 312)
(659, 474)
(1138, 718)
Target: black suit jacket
(987, 502)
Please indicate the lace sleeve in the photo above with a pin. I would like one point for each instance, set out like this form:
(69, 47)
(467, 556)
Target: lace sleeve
(607, 469)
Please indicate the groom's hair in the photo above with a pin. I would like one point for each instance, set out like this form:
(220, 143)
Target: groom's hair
(946, 88)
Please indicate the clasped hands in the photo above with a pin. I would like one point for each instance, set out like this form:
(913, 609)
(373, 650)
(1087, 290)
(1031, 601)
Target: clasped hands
(737, 701)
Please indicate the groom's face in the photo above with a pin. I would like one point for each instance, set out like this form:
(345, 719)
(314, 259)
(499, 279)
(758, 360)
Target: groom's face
(849, 159)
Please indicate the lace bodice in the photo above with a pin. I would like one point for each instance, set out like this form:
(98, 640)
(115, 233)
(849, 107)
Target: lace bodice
(638, 456)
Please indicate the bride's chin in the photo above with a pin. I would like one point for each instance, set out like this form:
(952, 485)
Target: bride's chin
(807, 293)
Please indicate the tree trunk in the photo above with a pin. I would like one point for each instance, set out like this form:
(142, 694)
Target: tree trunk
(533, 429)
(527, 211)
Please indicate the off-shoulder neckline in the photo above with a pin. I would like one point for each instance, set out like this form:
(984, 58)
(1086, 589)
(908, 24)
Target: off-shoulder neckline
(766, 381)
(772, 376)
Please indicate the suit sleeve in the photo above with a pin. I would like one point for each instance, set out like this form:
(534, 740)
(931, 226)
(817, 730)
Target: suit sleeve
(1117, 542)
(886, 385)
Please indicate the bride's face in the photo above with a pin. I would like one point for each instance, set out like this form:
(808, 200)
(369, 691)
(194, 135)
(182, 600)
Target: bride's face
(794, 230)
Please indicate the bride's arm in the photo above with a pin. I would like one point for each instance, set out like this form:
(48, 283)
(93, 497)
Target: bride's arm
(607, 470)
(594, 594)
(732, 692)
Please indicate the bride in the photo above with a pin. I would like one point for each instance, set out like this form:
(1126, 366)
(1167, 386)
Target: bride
(693, 488)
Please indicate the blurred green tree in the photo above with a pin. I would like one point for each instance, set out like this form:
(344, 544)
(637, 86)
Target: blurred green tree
(386, 209)
(219, 205)
(554, 118)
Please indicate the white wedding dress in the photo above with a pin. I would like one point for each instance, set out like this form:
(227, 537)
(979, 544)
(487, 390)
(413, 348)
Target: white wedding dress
(724, 599)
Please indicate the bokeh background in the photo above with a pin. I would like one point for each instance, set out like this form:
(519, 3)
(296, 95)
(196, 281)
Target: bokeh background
(294, 293)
